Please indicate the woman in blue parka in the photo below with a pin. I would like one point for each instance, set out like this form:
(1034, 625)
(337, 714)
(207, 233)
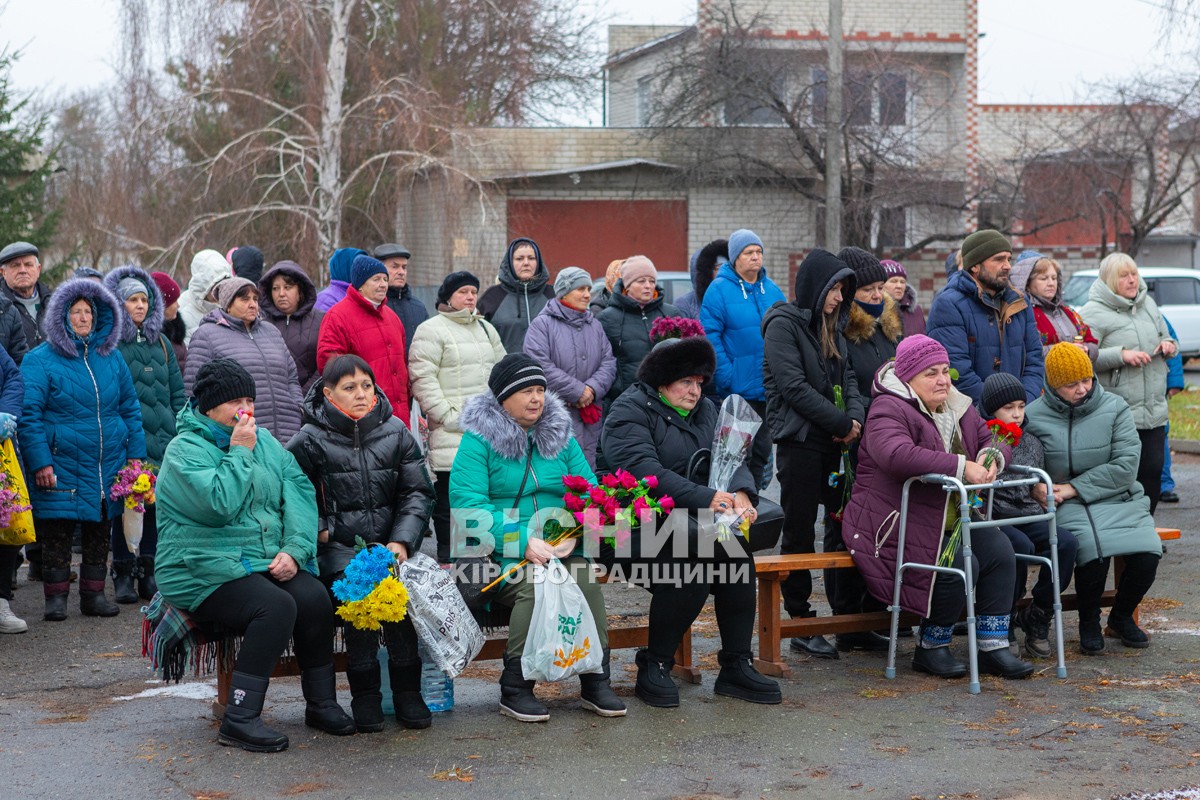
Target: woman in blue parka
(80, 424)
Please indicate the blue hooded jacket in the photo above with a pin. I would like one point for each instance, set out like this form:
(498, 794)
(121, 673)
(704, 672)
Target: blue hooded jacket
(732, 314)
(983, 336)
(81, 414)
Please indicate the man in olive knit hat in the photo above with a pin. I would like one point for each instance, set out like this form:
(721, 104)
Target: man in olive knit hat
(984, 324)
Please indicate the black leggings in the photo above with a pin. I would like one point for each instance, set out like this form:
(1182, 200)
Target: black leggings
(673, 607)
(760, 448)
(362, 647)
(8, 562)
(268, 613)
(803, 486)
(149, 543)
(1150, 465)
(1136, 579)
(441, 516)
(55, 536)
(994, 568)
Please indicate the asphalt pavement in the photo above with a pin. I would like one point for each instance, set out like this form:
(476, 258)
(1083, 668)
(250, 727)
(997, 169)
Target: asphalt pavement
(81, 715)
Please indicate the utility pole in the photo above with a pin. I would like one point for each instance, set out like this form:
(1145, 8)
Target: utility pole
(833, 131)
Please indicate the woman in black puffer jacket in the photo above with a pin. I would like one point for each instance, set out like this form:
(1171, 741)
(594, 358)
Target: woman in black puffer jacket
(367, 470)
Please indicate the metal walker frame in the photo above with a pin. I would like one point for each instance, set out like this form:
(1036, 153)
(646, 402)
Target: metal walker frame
(952, 485)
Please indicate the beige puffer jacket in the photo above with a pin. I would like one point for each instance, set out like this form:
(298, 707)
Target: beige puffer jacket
(451, 357)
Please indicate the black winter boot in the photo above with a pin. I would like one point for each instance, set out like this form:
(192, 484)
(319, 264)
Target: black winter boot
(1127, 630)
(242, 725)
(1003, 663)
(1035, 621)
(654, 684)
(595, 690)
(92, 601)
(738, 678)
(516, 694)
(411, 711)
(1091, 637)
(939, 662)
(366, 700)
(147, 587)
(33, 554)
(123, 575)
(321, 709)
(55, 586)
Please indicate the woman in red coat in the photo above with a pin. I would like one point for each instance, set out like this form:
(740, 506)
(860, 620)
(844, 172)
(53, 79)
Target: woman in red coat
(920, 424)
(362, 324)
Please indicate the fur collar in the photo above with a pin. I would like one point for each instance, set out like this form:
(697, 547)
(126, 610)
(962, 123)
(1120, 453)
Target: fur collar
(106, 333)
(861, 325)
(153, 324)
(484, 416)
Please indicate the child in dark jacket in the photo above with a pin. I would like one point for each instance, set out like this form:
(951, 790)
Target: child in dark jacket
(1003, 398)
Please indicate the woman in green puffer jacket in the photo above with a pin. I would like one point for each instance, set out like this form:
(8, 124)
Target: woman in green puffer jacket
(237, 546)
(158, 382)
(1132, 361)
(1092, 453)
(513, 457)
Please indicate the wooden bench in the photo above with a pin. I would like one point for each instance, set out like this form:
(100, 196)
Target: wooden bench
(619, 638)
(772, 628)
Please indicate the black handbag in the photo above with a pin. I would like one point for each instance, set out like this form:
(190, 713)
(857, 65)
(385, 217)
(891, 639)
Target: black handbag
(766, 529)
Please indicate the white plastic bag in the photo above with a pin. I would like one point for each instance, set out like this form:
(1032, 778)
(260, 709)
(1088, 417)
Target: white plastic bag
(444, 624)
(563, 640)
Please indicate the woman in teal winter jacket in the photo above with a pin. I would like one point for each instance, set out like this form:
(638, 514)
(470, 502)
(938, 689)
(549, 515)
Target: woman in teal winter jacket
(1092, 451)
(158, 382)
(237, 546)
(513, 457)
(80, 424)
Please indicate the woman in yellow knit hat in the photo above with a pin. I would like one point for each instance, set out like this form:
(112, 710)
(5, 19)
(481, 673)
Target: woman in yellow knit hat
(1092, 453)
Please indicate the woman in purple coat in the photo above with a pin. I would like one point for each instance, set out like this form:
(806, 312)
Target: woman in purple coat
(920, 424)
(569, 343)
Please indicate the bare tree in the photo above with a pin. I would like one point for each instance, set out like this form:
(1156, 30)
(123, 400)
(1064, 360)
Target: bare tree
(300, 120)
(750, 111)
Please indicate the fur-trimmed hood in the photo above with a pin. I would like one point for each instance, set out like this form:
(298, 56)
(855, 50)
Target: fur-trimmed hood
(153, 324)
(672, 359)
(106, 332)
(861, 325)
(704, 265)
(484, 416)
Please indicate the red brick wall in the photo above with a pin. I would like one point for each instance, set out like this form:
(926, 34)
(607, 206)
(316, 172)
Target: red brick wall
(591, 233)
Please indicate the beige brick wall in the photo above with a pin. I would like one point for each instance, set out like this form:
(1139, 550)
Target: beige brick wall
(942, 18)
(627, 37)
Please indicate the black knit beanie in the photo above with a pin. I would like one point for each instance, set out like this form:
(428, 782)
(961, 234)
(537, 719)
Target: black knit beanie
(453, 282)
(220, 381)
(866, 266)
(999, 390)
(514, 372)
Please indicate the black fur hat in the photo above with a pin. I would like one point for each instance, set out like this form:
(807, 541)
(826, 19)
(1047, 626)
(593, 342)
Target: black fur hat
(672, 359)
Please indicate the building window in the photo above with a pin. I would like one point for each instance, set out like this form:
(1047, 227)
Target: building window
(893, 227)
(866, 99)
(645, 94)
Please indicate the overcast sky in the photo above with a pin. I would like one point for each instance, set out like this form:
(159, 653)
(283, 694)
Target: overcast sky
(1034, 51)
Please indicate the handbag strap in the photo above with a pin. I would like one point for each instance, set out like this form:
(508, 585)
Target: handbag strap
(525, 477)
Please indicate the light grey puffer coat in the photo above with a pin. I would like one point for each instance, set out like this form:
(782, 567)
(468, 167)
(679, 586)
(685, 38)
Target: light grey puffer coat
(1123, 324)
(1095, 447)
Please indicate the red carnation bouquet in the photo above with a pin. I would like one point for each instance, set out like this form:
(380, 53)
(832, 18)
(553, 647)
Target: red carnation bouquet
(1002, 433)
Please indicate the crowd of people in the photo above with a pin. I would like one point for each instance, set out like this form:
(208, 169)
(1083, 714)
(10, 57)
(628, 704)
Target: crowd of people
(288, 422)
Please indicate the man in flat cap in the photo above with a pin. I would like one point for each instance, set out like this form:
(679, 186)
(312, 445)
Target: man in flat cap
(409, 309)
(22, 269)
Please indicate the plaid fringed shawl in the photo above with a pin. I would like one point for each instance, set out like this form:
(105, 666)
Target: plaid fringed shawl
(176, 644)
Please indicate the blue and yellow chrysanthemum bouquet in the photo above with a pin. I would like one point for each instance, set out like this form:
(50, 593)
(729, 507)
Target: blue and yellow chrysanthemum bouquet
(370, 592)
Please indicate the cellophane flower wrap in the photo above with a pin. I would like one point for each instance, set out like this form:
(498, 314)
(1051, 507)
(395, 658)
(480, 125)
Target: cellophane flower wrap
(370, 591)
(737, 424)
(1002, 433)
(134, 485)
(674, 328)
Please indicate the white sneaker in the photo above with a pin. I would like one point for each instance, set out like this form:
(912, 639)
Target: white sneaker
(10, 622)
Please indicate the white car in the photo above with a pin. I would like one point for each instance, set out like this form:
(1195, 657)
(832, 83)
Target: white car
(1176, 290)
